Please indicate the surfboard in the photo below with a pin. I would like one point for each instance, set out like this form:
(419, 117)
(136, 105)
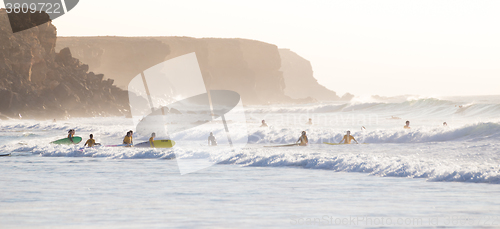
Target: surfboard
(5, 155)
(156, 144)
(283, 145)
(120, 145)
(328, 143)
(66, 141)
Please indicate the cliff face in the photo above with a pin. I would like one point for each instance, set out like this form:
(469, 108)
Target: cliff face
(35, 81)
(258, 71)
(300, 82)
(248, 67)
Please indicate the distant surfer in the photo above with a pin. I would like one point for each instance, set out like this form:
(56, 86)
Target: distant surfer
(152, 139)
(264, 124)
(348, 138)
(310, 121)
(303, 139)
(445, 124)
(211, 140)
(407, 126)
(71, 133)
(91, 141)
(127, 140)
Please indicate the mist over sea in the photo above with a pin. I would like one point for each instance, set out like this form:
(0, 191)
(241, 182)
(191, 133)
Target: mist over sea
(430, 172)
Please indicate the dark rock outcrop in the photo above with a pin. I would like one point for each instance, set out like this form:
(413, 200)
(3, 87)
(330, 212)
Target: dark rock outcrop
(37, 82)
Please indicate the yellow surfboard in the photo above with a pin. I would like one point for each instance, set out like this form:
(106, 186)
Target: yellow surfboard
(156, 144)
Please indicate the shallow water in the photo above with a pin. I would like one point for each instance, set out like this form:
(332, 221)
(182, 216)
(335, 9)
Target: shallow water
(429, 176)
(102, 193)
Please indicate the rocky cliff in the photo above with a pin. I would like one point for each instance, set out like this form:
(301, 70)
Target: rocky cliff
(260, 72)
(251, 68)
(300, 82)
(37, 82)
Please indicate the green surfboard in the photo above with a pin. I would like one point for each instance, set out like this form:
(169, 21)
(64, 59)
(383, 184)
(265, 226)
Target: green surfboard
(66, 141)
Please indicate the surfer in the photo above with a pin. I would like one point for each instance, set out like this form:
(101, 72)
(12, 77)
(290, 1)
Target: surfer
(131, 137)
(211, 140)
(128, 139)
(348, 138)
(152, 139)
(91, 141)
(71, 133)
(445, 124)
(310, 121)
(303, 139)
(264, 124)
(407, 125)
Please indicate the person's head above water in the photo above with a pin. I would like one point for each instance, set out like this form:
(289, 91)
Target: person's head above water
(348, 132)
(445, 124)
(263, 121)
(211, 134)
(153, 134)
(303, 133)
(91, 136)
(407, 123)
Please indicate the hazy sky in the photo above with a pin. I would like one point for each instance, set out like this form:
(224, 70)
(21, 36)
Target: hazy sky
(363, 47)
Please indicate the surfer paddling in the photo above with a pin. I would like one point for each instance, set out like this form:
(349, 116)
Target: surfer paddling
(211, 140)
(407, 126)
(264, 124)
(152, 139)
(127, 140)
(91, 142)
(303, 139)
(348, 138)
(71, 133)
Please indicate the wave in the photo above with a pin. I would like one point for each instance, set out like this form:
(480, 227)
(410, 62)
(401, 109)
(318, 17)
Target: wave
(471, 133)
(379, 164)
(424, 107)
(477, 166)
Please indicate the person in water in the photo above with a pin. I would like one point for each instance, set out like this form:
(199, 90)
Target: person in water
(445, 124)
(264, 124)
(71, 133)
(211, 140)
(348, 138)
(128, 139)
(310, 121)
(303, 139)
(90, 142)
(152, 139)
(407, 125)
(131, 137)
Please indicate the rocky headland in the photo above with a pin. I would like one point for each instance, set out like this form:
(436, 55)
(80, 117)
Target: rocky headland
(260, 72)
(38, 82)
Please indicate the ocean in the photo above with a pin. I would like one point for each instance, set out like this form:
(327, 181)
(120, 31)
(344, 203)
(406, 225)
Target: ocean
(426, 177)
